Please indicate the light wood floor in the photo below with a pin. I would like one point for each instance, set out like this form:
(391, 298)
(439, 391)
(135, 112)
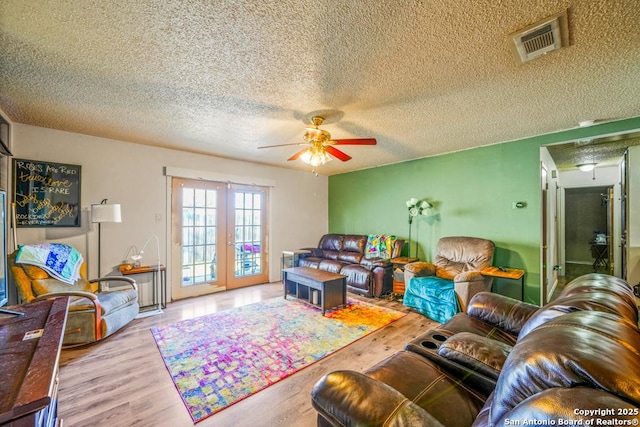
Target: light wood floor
(123, 382)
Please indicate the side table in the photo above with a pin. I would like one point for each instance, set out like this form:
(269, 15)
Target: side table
(290, 259)
(158, 284)
(398, 265)
(506, 273)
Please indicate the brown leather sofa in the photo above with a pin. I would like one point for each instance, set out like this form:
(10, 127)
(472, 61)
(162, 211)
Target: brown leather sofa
(345, 254)
(504, 362)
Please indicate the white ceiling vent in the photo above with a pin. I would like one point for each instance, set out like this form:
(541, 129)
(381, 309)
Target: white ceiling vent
(542, 37)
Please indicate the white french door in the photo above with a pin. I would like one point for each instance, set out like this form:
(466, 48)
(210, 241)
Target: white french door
(218, 236)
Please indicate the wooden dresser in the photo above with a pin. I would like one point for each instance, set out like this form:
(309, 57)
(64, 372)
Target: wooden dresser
(29, 354)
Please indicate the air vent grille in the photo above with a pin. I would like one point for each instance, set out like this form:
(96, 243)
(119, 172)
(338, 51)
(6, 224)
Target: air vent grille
(539, 39)
(542, 37)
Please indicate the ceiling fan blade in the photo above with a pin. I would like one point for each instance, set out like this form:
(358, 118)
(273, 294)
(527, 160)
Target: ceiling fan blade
(283, 145)
(337, 153)
(355, 141)
(298, 154)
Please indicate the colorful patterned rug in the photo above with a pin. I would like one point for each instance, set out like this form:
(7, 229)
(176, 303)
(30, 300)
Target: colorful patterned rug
(219, 359)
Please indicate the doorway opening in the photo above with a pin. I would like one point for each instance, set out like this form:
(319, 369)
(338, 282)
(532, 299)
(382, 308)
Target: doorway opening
(588, 231)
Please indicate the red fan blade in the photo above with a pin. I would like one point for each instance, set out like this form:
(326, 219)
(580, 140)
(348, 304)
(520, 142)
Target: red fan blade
(298, 154)
(283, 145)
(355, 141)
(337, 153)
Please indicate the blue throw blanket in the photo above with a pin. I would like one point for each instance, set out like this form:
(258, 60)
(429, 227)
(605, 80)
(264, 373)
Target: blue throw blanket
(432, 296)
(59, 260)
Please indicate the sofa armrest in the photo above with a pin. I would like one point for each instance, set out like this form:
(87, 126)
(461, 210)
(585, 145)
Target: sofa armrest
(371, 263)
(478, 353)
(128, 280)
(420, 268)
(95, 303)
(348, 398)
(581, 405)
(507, 313)
(469, 276)
(314, 252)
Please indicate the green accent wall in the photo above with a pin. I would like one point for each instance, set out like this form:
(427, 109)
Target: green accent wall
(472, 193)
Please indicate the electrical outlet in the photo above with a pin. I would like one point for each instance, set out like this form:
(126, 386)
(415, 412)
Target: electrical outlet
(158, 217)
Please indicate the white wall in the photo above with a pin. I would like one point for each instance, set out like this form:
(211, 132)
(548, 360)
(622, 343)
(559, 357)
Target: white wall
(605, 177)
(133, 176)
(554, 238)
(633, 240)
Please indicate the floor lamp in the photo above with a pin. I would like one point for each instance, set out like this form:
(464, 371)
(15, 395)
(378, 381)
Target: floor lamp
(104, 213)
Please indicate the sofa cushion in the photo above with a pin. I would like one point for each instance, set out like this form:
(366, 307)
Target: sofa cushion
(330, 254)
(350, 257)
(113, 301)
(457, 254)
(357, 276)
(374, 410)
(584, 348)
(480, 354)
(461, 322)
(601, 283)
(35, 272)
(574, 406)
(331, 242)
(309, 261)
(583, 301)
(331, 266)
(49, 285)
(423, 382)
(502, 312)
(354, 243)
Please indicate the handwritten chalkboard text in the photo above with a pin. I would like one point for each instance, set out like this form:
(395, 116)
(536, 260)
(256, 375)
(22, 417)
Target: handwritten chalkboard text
(46, 194)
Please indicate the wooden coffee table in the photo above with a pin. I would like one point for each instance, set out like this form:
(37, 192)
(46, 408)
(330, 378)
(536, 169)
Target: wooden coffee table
(316, 287)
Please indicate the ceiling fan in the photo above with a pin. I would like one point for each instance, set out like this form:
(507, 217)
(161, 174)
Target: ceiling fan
(320, 146)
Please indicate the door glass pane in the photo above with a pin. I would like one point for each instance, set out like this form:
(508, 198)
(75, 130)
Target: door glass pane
(248, 250)
(199, 230)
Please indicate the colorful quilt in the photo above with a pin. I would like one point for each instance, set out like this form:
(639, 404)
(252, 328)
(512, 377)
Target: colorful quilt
(59, 260)
(380, 245)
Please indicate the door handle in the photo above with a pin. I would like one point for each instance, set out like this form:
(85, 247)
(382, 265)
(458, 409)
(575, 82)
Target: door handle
(557, 267)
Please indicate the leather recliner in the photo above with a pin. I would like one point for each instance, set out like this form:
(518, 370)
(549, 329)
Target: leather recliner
(345, 254)
(457, 261)
(504, 360)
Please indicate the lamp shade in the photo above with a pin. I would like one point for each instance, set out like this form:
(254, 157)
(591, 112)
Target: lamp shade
(105, 213)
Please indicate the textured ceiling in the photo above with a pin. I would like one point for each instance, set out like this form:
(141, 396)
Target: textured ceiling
(225, 77)
(604, 152)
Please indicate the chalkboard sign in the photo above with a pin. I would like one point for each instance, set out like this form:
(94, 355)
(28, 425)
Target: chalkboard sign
(46, 194)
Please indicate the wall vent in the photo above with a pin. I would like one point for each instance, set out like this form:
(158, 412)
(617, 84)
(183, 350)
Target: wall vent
(542, 37)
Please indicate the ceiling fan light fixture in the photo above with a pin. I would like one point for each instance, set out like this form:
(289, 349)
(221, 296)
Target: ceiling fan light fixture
(315, 157)
(586, 167)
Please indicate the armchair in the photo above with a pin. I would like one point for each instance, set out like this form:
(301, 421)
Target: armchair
(94, 314)
(444, 287)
